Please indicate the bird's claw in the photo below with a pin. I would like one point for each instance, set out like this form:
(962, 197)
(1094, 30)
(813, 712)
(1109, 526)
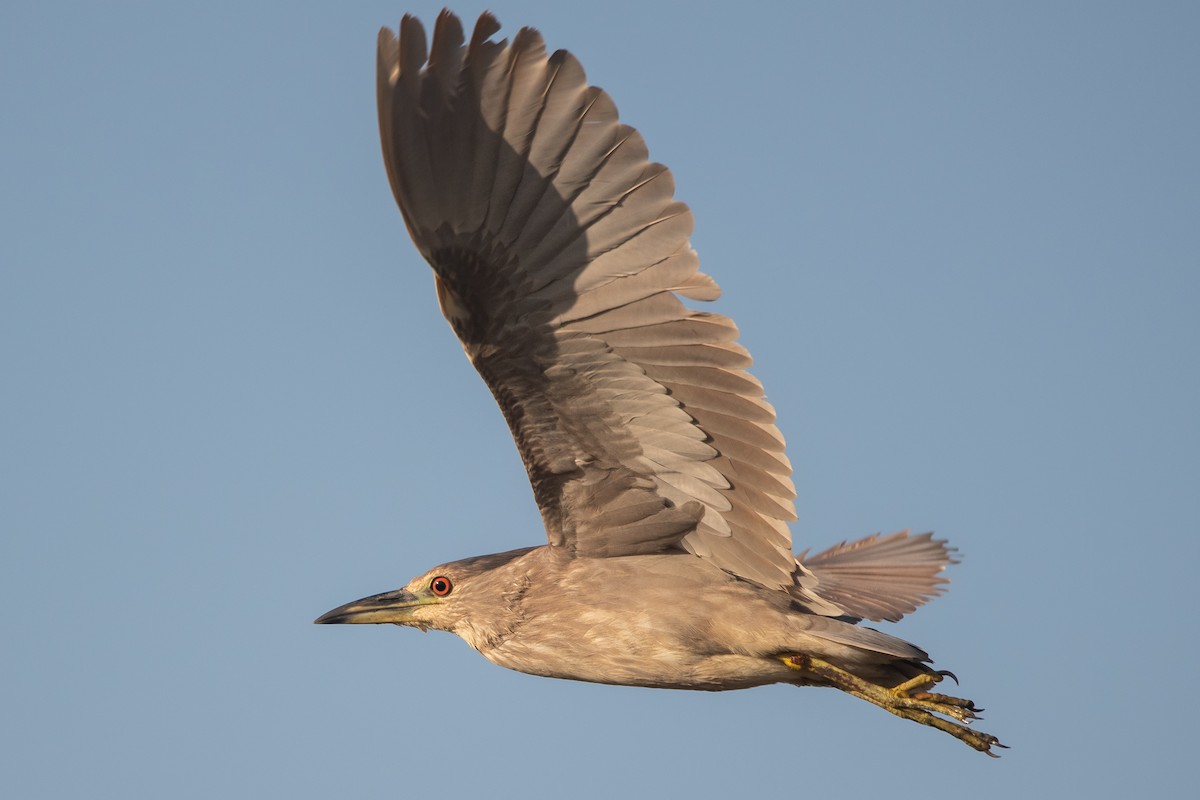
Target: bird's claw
(909, 700)
(913, 702)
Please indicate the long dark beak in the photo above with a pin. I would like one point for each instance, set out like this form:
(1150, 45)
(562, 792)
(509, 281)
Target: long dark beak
(395, 607)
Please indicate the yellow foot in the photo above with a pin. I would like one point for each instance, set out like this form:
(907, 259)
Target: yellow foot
(909, 700)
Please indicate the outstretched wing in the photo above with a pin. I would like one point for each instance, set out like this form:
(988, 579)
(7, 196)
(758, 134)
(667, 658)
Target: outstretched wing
(560, 255)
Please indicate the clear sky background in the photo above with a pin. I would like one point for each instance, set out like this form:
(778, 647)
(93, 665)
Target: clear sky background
(962, 241)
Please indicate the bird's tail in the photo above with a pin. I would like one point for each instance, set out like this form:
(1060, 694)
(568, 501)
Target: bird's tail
(879, 577)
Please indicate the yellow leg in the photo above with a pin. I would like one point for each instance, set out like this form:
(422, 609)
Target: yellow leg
(908, 700)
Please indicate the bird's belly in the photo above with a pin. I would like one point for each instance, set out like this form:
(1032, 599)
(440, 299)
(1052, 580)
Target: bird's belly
(632, 655)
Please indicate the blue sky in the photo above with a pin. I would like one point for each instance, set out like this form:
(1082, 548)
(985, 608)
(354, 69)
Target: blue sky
(962, 242)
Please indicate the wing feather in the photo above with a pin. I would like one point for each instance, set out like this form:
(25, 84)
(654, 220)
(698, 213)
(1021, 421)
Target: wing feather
(560, 255)
(700, 327)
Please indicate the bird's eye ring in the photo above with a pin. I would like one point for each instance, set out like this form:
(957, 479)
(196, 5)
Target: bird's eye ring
(441, 586)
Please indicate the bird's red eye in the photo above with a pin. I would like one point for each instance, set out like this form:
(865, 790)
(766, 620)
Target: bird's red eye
(441, 586)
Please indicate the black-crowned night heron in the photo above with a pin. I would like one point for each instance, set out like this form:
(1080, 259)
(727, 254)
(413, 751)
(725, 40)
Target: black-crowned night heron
(559, 254)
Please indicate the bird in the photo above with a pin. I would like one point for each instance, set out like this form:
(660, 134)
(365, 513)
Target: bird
(561, 260)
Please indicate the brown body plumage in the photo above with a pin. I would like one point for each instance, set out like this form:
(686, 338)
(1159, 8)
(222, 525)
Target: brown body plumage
(559, 256)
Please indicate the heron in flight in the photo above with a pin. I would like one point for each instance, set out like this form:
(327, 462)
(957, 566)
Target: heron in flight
(560, 256)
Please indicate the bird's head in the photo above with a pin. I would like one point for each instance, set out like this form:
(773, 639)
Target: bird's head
(438, 599)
